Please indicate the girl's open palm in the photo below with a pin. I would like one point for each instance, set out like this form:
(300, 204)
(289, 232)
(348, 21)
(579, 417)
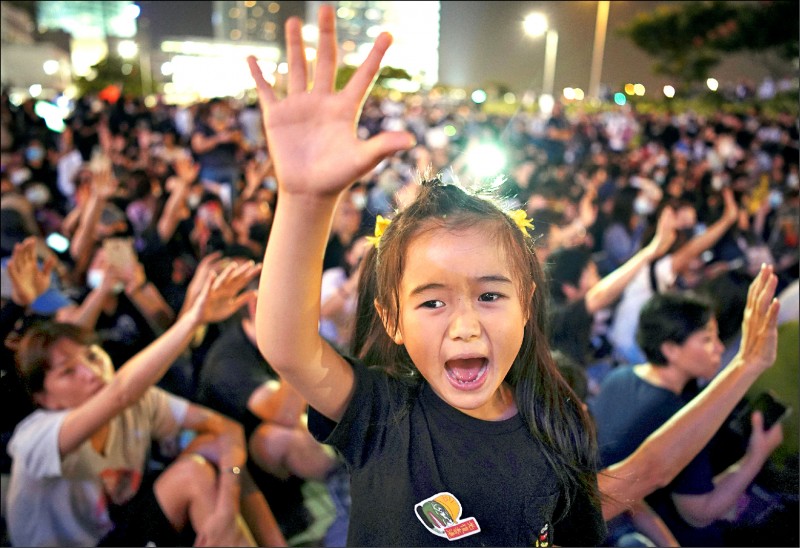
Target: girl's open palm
(311, 133)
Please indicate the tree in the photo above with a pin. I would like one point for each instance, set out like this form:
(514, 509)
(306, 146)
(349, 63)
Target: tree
(113, 70)
(387, 73)
(687, 40)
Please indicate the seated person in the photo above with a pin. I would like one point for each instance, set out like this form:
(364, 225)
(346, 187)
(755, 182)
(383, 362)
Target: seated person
(79, 474)
(237, 381)
(678, 334)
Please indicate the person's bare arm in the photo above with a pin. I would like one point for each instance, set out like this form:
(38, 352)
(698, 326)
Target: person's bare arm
(694, 247)
(611, 286)
(651, 525)
(84, 241)
(178, 187)
(675, 443)
(317, 155)
(143, 370)
(702, 510)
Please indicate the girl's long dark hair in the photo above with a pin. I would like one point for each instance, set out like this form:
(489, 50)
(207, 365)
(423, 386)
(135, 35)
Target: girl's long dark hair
(549, 407)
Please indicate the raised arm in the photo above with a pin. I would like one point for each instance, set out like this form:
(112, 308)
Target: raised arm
(611, 286)
(142, 371)
(311, 136)
(694, 247)
(669, 449)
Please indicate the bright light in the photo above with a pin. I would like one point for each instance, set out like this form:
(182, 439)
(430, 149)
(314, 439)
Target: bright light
(35, 90)
(546, 103)
(629, 89)
(579, 95)
(126, 69)
(311, 54)
(127, 49)
(51, 114)
(712, 84)
(486, 160)
(569, 94)
(450, 130)
(669, 91)
(620, 99)
(310, 33)
(283, 68)
(509, 98)
(478, 96)
(167, 68)
(131, 11)
(638, 89)
(535, 24)
(50, 67)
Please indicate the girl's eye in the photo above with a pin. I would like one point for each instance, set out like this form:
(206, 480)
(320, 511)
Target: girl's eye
(489, 297)
(432, 304)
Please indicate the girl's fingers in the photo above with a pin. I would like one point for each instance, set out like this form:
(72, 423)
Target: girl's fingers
(325, 71)
(361, 81)
(266, 95)
(296, 56)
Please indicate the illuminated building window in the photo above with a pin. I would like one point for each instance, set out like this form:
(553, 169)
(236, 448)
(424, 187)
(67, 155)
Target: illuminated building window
(236, 34)
(234, 13)
(273, 7)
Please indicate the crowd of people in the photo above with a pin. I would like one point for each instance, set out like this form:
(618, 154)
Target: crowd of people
(210, 310)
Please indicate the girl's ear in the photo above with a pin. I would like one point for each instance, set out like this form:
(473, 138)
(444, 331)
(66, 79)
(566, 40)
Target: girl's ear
(395, 334)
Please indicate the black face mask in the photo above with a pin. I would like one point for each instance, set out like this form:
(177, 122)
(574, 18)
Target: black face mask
(259, 232)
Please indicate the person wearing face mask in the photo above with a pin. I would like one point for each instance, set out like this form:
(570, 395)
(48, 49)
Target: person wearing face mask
(44, 173)
(623, 235)
(218, 145)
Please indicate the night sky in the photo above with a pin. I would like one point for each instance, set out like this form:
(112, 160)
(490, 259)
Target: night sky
(483, 42)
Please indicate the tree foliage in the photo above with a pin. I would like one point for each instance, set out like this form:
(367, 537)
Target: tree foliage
(687, 40)
(109, 72)
(346, 72)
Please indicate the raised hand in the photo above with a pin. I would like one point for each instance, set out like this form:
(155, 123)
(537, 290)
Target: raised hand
(665, 233)
(28, 280)
(311, 134)
(759, 344)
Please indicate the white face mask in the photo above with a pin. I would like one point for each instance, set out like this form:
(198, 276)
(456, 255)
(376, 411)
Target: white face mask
(94, 279)
(37, 195)
(193, 201)
(359, 200)
(642, 206)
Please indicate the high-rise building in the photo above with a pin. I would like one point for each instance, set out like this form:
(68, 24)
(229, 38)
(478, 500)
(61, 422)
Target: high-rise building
(95, 27)
(414, 25)
(253, 21)
(84, 19)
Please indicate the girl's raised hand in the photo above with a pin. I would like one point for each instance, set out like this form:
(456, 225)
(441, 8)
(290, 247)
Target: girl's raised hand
(311, 133)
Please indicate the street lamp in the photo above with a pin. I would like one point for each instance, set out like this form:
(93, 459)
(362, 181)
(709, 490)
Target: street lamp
(601, 25)
(536, 25)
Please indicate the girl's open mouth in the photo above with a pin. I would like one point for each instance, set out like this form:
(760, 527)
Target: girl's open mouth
(467, 373)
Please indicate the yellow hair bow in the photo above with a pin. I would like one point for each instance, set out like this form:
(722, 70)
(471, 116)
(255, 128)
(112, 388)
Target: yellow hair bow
(520, 218)
(381, 224)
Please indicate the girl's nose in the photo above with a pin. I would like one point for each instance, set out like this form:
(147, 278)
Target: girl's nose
(465, 323)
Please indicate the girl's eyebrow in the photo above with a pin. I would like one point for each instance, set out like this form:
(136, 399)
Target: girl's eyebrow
(491, 278)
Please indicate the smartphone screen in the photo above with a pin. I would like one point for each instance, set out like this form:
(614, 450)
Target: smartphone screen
(57, 242)
(119, 251)
(771, 408)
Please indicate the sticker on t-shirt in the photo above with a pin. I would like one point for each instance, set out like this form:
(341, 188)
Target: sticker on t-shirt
(543, 538)
(441, 515)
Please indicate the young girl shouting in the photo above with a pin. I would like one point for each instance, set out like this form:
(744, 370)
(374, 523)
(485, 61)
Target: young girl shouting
(464, 431)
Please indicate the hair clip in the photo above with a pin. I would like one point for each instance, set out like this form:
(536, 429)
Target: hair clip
(520, 218)
(381, 224)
